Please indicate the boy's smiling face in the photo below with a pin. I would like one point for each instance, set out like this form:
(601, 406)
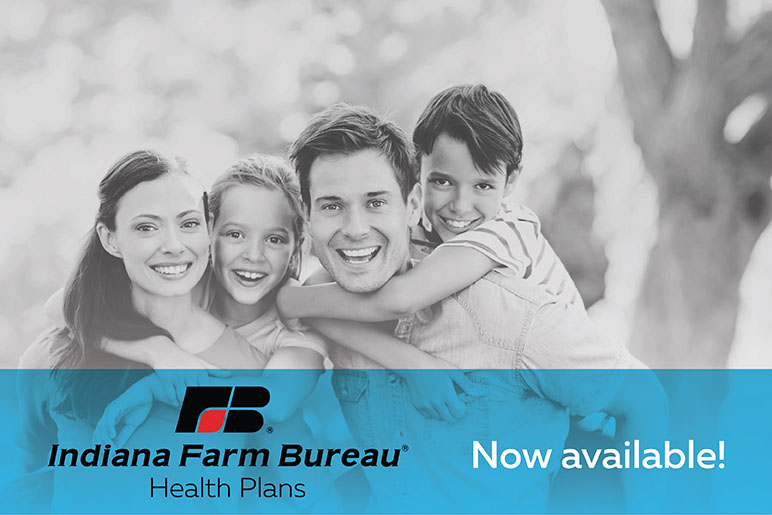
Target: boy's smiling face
(457, 196)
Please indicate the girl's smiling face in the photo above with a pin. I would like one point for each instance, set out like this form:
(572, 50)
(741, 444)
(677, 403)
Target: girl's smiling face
(161, 236)
(252, 244)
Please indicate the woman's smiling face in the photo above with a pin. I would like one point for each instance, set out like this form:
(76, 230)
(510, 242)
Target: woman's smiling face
(252, 243)
(161, 236)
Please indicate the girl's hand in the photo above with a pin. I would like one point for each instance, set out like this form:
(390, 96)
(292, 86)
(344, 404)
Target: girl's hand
(125, 414)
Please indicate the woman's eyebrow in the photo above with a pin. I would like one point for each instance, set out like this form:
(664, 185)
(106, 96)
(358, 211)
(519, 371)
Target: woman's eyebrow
(188, 212)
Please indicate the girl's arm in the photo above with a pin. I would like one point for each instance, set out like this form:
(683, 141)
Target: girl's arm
(158, 352)
(288, 389)
(446, 271)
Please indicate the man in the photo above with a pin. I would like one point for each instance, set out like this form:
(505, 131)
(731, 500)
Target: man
(358, 182)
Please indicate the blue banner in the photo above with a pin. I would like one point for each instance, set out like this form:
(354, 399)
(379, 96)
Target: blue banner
(222, 448)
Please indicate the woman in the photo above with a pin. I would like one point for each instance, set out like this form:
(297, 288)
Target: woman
(257, 234)
(256, 240)
(147, 250)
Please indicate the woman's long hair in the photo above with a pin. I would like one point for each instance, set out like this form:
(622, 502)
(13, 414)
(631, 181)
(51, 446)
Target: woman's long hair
(97, 299)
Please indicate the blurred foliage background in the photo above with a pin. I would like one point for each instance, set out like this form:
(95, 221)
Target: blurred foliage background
(647, 133)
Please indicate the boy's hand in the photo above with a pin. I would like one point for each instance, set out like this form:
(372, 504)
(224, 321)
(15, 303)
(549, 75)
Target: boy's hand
(434, 389)
(433, 395)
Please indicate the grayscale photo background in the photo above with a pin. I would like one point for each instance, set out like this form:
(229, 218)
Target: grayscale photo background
(647, 133)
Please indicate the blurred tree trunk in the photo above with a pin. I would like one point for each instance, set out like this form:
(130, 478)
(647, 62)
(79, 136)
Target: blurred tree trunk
(714, 196)
(567, 212)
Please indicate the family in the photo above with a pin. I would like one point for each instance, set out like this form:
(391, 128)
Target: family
(423, 267)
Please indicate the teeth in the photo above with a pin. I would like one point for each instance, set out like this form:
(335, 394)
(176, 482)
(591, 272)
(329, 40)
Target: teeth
(171, 270)
(458, 224)
(251, 276)
(356, 253)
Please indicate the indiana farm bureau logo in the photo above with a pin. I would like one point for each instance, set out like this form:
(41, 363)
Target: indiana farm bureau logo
(232, 409)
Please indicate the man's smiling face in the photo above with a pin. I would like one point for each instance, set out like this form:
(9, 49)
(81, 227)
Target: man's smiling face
(359, 223)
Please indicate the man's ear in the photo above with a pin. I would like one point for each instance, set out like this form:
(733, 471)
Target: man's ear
(414, 207)
(107, 238)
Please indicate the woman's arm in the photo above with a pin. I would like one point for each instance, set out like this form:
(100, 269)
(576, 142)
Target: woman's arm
(290, 375)
(446, 271)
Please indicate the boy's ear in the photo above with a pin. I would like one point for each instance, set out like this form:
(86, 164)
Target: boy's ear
(107, 238)
(414, 207)
(509, 186)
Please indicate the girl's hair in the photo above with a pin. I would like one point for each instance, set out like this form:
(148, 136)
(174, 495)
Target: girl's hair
(97, 299)
(271, 173)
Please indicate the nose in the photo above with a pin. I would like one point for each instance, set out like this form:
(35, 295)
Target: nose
(172, 244)
(254, 251)
(356, 224)
(462, 201)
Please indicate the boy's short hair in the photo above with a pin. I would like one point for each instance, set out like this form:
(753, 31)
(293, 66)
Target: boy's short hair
(482, 119)
(343, 129)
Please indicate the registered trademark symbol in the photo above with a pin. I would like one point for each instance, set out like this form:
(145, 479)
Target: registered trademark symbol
(269, 429)
(405, 448)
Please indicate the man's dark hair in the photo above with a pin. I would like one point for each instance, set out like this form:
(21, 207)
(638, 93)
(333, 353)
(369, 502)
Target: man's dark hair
(343, 129)
(482, 119)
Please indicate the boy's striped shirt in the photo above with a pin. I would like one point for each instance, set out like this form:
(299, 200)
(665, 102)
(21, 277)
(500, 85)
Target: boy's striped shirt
(513, 239)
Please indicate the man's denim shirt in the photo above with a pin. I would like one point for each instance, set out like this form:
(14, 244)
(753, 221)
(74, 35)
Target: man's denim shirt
(497, 323)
